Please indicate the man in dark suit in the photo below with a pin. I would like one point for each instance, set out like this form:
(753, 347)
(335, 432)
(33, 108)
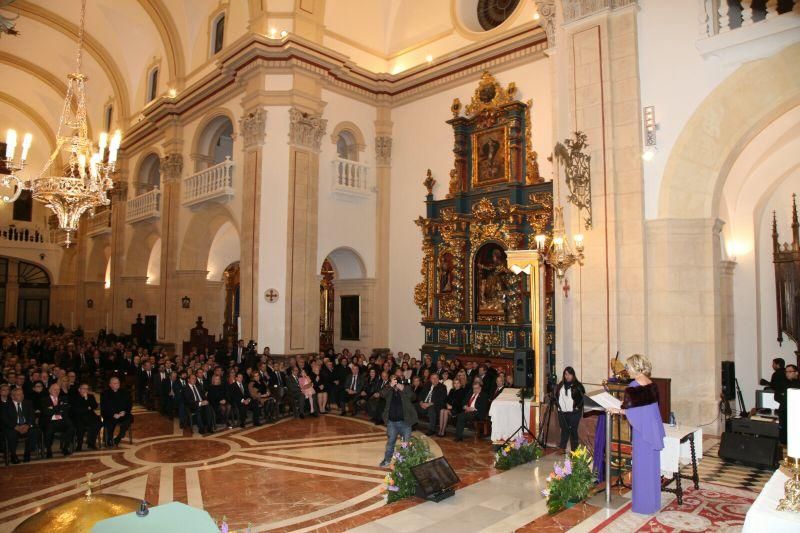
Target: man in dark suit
(55, 418)
(144, 383)
(476, 406)
(433, 398)
(86, 420)
(375, 401)
(196, 403)
(115, 408)
(19, 422)
(237, 392)
(296, 393)
(353, 386)
(500, 385)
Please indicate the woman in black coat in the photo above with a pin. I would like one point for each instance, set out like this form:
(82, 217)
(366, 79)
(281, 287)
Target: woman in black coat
(218, 398)
(569, 395)
(453, 406)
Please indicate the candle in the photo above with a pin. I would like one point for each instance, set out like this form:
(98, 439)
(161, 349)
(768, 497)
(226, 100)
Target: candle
(11, 143)
(103, 143)
(26, 145)
(793, 422)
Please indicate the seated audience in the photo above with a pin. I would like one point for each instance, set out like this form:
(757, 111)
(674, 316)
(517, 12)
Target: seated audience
(19, 422)
(115, 408)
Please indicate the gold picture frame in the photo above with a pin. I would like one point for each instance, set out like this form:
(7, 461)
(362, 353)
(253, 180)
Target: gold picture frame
(491, 157)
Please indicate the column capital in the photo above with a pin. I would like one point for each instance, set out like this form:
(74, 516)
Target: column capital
(383, 151)
(172, 166)
(120, 190)
(306, 130)
(547, 11)
(253, 127)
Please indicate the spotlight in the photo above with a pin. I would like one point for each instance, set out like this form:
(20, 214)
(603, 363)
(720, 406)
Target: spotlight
(284, 33)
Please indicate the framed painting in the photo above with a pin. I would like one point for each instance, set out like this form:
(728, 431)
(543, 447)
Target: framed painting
(490, 157)
(351, 318)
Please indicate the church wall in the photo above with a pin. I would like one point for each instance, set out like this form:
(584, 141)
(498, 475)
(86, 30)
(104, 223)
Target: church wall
(423, 140)
(344, 221)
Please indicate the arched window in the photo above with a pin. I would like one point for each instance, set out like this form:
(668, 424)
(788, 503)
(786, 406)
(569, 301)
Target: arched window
(152, 85)
(108, 117)
(346, 146)
(217, 34)
(149, 174)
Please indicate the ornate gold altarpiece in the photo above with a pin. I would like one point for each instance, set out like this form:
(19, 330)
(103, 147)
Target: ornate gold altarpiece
(471, 302)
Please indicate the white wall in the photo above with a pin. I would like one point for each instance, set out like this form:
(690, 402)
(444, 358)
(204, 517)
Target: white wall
(348, 223)
(423, 140)
(225, 249)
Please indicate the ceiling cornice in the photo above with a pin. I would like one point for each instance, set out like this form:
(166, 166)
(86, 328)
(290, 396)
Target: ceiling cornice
(93, 46)
(338, 73)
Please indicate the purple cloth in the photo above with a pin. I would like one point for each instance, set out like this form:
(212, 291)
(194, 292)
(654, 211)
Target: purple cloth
(599, 453)
(647, 442)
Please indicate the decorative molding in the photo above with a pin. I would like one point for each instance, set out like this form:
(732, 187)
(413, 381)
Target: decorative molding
(578, 9)
(253, 127)
(306, 130)
(172, 166)
(383, 151)
(547, 12)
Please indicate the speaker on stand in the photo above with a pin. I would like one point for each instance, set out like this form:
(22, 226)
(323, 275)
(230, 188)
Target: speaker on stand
(523, 368)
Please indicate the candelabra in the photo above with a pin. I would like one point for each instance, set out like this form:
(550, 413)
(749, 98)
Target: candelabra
(556, 251)
(791, 498)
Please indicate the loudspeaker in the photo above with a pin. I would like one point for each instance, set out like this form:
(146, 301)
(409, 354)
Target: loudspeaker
(754, 427)
(523, 368)
(749, 449)
(729, 380)
(436, 479)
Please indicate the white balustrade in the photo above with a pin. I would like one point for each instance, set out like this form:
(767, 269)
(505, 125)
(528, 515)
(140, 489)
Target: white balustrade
(350, 178)
(210, 184)
(720, 16)
(24, 234)
(144, 207)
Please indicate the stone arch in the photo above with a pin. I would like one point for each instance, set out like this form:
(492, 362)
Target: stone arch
(717, 132)
(224, 251)
(347, 263)
(214, 123)
(144, 178)
(200, 233)
(354, 131)
(137, 257)
(99, 255)
(168, 31)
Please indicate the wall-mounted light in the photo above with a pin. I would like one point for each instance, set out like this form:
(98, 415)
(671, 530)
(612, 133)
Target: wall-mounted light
(273, 33)
(650, 127)
(284, 33)
(186, 302)
(429, 58)
(173, 92)
(89, 303)
(129, 303)
(536, 16)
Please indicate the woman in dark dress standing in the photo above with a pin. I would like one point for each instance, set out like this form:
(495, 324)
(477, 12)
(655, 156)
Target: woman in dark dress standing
(569, 394)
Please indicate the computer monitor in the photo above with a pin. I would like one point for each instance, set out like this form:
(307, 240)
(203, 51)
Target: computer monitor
(766, 400)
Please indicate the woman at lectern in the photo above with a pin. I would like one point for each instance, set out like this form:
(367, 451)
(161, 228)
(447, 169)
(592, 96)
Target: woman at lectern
(640, 407)
(570, 394)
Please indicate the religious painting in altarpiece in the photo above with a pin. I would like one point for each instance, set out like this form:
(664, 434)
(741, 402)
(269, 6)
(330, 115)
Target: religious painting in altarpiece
(471, 303)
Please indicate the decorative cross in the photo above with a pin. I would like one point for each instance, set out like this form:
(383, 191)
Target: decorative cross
(271, 295)
(89, 486)
(566, 288)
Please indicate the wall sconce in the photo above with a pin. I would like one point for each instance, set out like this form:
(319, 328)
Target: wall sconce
(89, 303)
(129, 303)
(650, 127)
(186, 302)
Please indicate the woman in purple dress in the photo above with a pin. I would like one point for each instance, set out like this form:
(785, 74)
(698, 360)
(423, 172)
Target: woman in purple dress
(640, 407)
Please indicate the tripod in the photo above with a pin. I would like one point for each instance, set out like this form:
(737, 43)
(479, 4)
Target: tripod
(523, 428)
(544, 428)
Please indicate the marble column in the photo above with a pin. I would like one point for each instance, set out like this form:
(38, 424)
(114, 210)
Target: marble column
(171, 173)
(252, 129)
(119, 207)
(302, 284)
(383, 175)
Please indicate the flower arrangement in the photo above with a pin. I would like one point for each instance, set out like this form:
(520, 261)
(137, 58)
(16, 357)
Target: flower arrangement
(517, 452)
(570, 481)
(399, 483)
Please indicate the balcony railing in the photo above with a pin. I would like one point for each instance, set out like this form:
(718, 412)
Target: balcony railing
(350, 178)
(213, 183)
(99, 224)
(721, 16)
(23, 234)
(144, 207)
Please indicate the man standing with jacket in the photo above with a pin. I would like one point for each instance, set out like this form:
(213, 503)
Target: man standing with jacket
(398, 414)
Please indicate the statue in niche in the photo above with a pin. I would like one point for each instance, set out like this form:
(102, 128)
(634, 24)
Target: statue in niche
(446, 273)
(493, 275)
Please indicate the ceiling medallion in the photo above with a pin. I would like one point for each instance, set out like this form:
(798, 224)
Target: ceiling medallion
(75, 178)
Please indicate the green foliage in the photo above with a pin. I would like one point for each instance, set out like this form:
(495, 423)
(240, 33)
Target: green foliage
(571, 481)
(517, 452)
(400, 483)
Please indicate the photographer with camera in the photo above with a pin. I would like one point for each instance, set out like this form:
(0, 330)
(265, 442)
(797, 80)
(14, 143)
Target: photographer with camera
(399, 414)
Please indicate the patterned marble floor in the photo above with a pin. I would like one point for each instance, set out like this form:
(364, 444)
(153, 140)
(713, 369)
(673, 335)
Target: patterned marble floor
(317, 474)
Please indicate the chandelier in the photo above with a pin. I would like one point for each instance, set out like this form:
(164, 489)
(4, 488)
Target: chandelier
(555, 250)
(75, 178)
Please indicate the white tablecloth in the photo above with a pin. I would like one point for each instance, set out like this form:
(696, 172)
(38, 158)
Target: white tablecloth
(762, 516)
(675, 454)
(505, 414)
